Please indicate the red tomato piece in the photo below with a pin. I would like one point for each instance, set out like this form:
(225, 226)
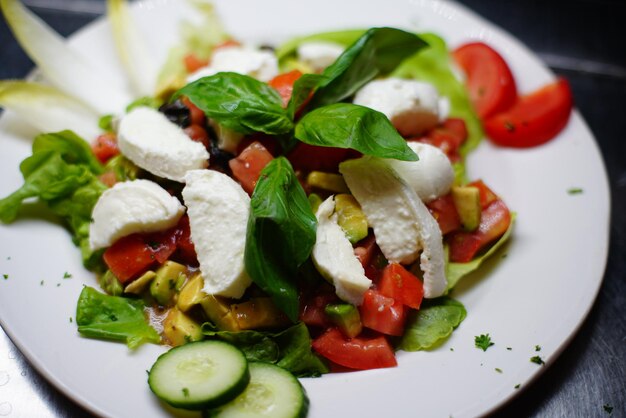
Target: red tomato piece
(247, 166)
(382, 313)
(487, 196)
(312, 312)
(269, 142)
(185, 249)
(128, 257)
(307, 157)
(105, 147)
(494, 221)
(227, 44)
(193, 63)
(365, 249)
(457, 128)
(198, 134)
(534, 119)
(283, 83)
(445, 213)
(108, 179)
(196, 115)
(359, 353)
(401, 285)
(489, 80)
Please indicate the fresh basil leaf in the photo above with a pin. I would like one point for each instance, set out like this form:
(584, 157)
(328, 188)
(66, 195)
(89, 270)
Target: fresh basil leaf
(289, 349)
(456, 271)
(281, 234)
(378, 51)
(345, 125)
(240, 103)
(302, 89)
(435, 321)
(113, 318)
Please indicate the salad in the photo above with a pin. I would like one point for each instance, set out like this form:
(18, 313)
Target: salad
(315, 239)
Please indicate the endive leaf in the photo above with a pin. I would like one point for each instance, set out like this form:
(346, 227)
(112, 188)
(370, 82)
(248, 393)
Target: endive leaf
(132, 49)
(62, 66)
(48, 109)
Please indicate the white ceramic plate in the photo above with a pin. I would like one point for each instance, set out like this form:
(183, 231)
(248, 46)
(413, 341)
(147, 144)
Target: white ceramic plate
(538, 295)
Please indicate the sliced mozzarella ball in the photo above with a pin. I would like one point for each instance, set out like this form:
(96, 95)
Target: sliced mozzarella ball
(431, 176)
(218, 211)
(147, 138)
(402, 223)
(131, 207)
(411, 106)
(334, 257)
(256, 63)
(318, 54)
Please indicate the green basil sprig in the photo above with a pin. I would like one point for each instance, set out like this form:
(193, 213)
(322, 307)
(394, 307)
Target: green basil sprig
(240, 103)
(345, 125)
(281, 234)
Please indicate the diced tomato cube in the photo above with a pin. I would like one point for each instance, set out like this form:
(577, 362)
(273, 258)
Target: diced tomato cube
(401, 285)
(445, 213)
(283, 83)
(196, 115)
(382, 313)
(198, 134)
(128, 257)
(359, 353)
(185, 249)
(105, 147)
(248, 165)
(486, 195)
(312, 312)
(309, 158)
(193, 63)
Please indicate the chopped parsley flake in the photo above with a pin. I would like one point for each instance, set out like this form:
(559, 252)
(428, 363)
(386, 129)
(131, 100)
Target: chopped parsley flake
(537, 348)
(499, 370)
(71, 320)
(67, 275)
(537, 360)
(8, 258)
(41, 283)
(575, 190)
(186, 392)
(607, 408)
(509, 348)
(517, 386)
(6, 276)
(58, 284)
(483, 341)
(451, 349)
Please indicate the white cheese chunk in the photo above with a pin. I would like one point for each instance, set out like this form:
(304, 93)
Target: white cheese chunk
(431, 176)
(147, 138)
(131, 207)
(318, 54)
(218, 211)
(403, 226)
(256, 63)
(411, 106)
(334, 257)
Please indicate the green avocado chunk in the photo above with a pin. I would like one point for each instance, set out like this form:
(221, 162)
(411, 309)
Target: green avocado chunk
(467, 202)
(350, 217)
(346, 317)
(169, 277)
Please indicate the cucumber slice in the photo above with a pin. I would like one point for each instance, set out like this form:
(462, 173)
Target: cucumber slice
(272, 392)
(199, 375)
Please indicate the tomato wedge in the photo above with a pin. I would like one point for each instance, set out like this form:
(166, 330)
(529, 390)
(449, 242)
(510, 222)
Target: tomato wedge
(359, 353)
(382, 313)
(401, 285)
(534, 119)
(489, 80)
(283, 83)
(248, 165)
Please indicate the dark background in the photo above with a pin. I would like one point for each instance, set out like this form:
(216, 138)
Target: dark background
(581, 40)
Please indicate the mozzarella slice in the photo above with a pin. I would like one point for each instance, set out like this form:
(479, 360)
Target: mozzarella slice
(147, 138)
(319, 55)
(218, 211)
(411, 106)
(402, 224)
(431, 176)
(334, 257)
(256, 63)
(131, 207)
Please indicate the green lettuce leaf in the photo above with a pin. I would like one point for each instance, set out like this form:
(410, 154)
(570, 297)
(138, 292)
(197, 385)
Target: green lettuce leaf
(289, 349)
(280, 235)
(240, 103)
(345, 125)
(456, 271)
(434, 322)
(343, 37)
(113, 318)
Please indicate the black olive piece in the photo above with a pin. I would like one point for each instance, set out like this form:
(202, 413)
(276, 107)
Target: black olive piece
(218, 157)
(267, 47)
(177, 113)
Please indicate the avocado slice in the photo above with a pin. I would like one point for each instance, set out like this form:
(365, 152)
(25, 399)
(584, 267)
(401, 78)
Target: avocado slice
(467, 202)
(179, 329)
(350, 217)
(191, 293)
(346, 317)
(258, 313)
(218, 311)
(167, 281)
(327, 181)
(315, 201)
(138, 285)
(110, 284)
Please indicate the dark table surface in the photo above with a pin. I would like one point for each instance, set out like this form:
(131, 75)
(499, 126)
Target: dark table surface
(581, 40)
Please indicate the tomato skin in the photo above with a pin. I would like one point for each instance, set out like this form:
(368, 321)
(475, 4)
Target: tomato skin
(193, 63)
(105, 147)
(185, 249)
(108, 178)
(247, 166)
(196, 115)
(283, 83)
(534, 119)
(487, 196)
(401, 285)
(448, 137)
(359, 353)
(494, 221)
(312, 312)
(198, 134)
(489, 81)
(307, 157)
(382, 313)
(445, 213)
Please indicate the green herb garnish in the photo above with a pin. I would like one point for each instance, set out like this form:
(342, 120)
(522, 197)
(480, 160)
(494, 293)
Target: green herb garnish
(483, 341)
